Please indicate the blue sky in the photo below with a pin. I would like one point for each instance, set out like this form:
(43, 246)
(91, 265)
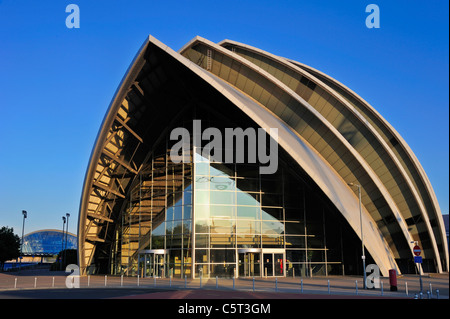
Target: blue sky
(56, 83)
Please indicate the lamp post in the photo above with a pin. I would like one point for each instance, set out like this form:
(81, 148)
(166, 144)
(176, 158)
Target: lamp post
(24, 213)
(363, 257)
(62, 242)
(67, 230)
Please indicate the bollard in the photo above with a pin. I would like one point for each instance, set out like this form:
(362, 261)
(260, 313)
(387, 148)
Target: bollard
(356, 286)
(89, 279)
(53, 282)
(154, 281)
(138, 281)
(429, 295)
(170, 281)
(431, 289)
(437, 293)
(421, 295)
(328, 286)
(382, 292)
(393, 279)
(253, 284)
(35, 280)
(217, 283)
(276, 284)
(15, 283)
(406, 288)
(106, 279)
(233, 284)
(121, 280)
(301, 285)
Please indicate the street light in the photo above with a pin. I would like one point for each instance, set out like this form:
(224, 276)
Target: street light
(67, 230)
(363, 257)
(24, 213)
(62, 242)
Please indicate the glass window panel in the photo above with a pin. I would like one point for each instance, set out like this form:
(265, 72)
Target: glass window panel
(222, 183)
(222, 270)
(224, 226)
(187, 197)
(272, 241)
(202, 182)
(201, 211)
(295, 255)
(295, 228)
(173, 242)
(202, 169)
(315, 241)
(198, 157)
(187, 211)
(272, 213)
(295, 242)
(187, 241)
(160, 229)
(169, 213)
(248, 199)
(202, 240)
(158, 242)
(222, 198)
(246, 170)
(272, 200)
(316, 255)
(246, 226)
(293, 214)
(187, 226)
(178, 197)
(248, 212)
(177, 227)
(248, 184)
(201, 255)
(222, 240)
(218, 169)
(202, 197)
(223, 255)
(274, 227)
(248, 241)
(222, 211)
(202, 226)
(177, 212)
(169, 227)
(188, 184)
(272, 186)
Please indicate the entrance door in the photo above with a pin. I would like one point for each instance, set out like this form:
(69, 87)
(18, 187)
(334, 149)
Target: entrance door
(152, 263)
(273, 264)
(159, 265)
(278, 262)
(268, 265)
(249, 264)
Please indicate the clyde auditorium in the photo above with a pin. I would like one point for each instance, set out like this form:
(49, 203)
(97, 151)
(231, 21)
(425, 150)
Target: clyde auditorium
(345, 179)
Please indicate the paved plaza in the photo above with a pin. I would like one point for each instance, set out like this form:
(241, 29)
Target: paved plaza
(45, 284)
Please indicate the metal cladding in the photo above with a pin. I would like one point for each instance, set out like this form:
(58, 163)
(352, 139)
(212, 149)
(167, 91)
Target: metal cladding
(335, 136)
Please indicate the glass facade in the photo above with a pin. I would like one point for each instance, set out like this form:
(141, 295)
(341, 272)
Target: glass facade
(261, 225)
(204, 218)
(155, 238)
(49, 242)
